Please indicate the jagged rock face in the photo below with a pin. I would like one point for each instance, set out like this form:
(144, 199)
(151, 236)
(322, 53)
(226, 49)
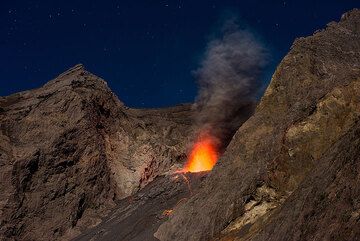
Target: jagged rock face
(326, 205)
(70, 149)
(312, 101)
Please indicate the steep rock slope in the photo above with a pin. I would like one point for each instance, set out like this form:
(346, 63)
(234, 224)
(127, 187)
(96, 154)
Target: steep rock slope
(326, 205)
(137, 217)
(312, 101)
(70, 149)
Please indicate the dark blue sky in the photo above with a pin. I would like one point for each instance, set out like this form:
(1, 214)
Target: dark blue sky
(145, 50)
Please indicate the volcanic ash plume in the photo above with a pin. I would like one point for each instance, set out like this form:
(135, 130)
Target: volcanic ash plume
(229, 80)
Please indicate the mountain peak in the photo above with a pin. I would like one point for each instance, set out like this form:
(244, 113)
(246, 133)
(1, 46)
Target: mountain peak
(74, 76)
(77, 69)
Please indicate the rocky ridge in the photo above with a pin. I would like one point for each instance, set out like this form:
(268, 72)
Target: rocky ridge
(281, 177)
(70, 150)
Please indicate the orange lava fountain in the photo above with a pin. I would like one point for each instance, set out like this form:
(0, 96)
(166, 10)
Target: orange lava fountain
(203, 156)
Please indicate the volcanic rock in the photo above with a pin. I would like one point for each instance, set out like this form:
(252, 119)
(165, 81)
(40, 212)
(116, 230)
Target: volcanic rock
(137, 218)
(70, 150)
(291, 172)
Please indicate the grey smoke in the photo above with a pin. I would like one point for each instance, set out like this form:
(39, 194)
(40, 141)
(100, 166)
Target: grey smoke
(229, 80)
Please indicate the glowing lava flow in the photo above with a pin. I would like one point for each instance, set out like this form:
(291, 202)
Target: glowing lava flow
(203, 155)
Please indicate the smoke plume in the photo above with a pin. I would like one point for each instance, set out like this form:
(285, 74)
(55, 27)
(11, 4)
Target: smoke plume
(229, 80)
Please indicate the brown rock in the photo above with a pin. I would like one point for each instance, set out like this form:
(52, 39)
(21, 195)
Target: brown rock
(326, 204)
(312, 102)
(70, 149)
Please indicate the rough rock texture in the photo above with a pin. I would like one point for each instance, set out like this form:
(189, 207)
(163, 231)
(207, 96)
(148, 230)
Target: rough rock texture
(292, 144)
(70, 149)
(138, 217)
(326, 205)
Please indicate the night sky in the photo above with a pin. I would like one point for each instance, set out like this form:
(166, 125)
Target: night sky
(146, 50)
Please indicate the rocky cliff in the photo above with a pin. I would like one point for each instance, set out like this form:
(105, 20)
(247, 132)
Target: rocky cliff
(291, 172)
(70, 149)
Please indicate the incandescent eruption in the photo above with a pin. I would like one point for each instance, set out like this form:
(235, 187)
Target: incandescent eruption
(228, 79)
(204, 154)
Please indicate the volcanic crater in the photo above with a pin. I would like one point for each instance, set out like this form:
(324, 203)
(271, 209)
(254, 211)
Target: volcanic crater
(78, 164)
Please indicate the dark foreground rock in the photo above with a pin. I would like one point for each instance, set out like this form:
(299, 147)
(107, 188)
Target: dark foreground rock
(138, 217)
(291, 172)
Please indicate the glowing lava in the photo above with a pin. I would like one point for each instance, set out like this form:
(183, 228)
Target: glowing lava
(203, 155)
